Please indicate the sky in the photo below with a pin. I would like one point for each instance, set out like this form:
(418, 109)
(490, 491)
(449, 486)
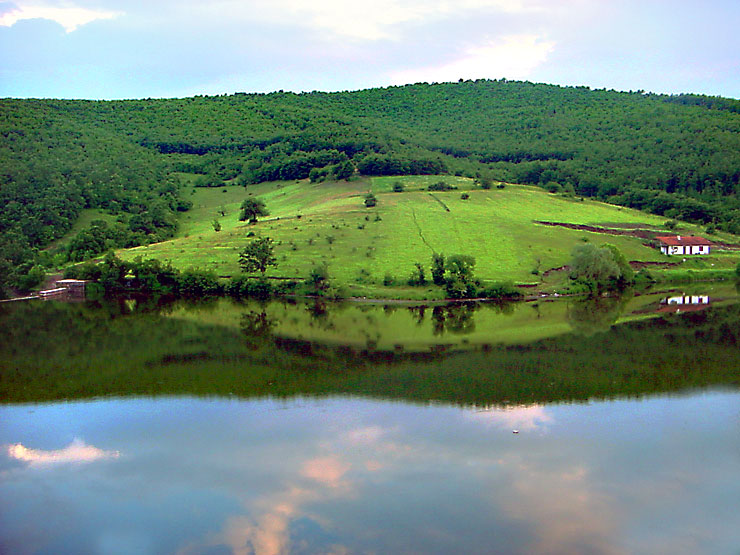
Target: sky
(111, 49)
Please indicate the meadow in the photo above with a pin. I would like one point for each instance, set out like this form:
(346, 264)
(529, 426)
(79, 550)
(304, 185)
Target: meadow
(372, 251)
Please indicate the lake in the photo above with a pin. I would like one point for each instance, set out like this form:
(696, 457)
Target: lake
(561, 426)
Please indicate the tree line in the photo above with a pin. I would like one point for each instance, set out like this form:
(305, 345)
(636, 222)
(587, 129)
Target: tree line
(678, 156)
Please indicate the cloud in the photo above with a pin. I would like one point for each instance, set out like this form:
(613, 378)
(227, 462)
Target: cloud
(328, 471)
(365, 21)
(517, 418)
(511, 56)
(569, 512)
(68, 16)
(75, 452)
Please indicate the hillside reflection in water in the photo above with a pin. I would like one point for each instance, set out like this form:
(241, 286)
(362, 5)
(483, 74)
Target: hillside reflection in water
(572, 426)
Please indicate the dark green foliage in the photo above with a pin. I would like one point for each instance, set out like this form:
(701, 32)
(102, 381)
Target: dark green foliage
(257, 256)
(484, 182)
(216, 225)
(418, 276)
(197, 283)
(248, 287)
(737, 270)
(440, 186)
(465, 196)
(438, 269)
(370, 200)
(398, 187)
(500, 290)
(251, 208)
(676, 156)
(319, 283)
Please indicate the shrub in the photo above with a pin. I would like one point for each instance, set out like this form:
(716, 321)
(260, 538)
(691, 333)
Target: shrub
(465, 196)
(441, 186)
(370, 200)
(500, 290)
(417, 277)
(438, 269)
(244, 286)
(398, 187)
(388, 280)
(198, 283)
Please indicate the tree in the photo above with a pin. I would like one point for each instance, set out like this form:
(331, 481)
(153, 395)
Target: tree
(460, 266)
(417, 276)
(600, 267)
(370, 200)
(257, 256)
(461, 282)
(251, 208)
(438, 268)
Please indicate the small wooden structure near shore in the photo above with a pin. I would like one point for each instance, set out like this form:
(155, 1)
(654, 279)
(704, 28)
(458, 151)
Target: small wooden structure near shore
(72, 289)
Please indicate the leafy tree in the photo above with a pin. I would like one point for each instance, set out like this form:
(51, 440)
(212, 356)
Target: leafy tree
(438, 269)
(370, 200)
(251, 208)
(600, 267)
(257, 256)
(460, 282)
(418, 276)
(460, 266)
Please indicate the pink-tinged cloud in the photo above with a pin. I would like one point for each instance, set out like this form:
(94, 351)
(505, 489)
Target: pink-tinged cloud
(328, 471)
(571, 514)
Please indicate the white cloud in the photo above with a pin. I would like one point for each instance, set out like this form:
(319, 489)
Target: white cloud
(364, 21)
(68, 16)
(76, 452)
(524, 418)
(511, 56)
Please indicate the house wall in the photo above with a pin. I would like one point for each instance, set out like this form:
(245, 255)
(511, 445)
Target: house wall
(689, 249)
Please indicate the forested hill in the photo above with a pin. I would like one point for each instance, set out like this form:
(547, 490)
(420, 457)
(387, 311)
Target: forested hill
(673, 155)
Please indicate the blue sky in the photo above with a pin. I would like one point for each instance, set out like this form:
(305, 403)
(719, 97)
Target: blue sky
(104, 49)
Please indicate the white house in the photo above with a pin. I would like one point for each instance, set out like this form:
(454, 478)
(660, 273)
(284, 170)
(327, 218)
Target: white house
(677, 244)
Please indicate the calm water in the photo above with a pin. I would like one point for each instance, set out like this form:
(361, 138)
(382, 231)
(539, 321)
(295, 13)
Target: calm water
(136, 427)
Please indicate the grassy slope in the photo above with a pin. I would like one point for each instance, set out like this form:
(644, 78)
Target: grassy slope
(362, 246)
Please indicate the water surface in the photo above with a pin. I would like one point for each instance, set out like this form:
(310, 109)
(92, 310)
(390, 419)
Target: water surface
(338, 475)
(602, 426)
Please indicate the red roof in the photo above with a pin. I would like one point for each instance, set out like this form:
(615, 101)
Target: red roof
(683, 240)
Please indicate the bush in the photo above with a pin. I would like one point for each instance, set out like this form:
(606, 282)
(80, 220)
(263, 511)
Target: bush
(441, 186)
(244, 286)
(417, 277)
(388, 280)
(370, 200)
(398, 187)
(465, 196)
(500, 290)
(198, 283)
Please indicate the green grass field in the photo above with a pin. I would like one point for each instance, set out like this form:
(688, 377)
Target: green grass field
(314, 223)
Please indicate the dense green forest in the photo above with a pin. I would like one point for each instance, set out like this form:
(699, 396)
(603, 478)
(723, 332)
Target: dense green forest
(678, 156)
